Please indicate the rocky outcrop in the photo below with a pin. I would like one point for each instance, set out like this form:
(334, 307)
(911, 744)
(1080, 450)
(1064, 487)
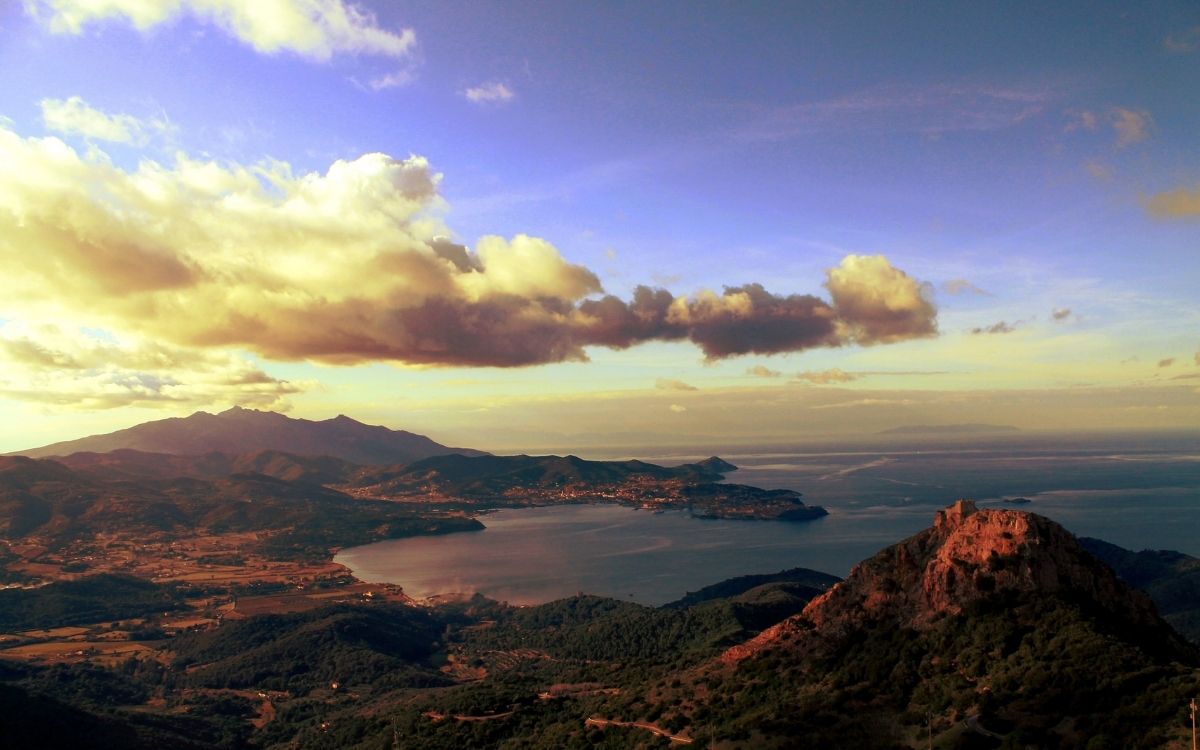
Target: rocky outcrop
(968, 555)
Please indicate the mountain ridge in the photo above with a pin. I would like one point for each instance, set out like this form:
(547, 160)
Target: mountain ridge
(239, 431)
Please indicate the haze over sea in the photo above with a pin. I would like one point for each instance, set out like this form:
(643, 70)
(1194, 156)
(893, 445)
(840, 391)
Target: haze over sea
(1140, 491)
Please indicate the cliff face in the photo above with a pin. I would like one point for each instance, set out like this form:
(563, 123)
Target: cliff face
(966, 556)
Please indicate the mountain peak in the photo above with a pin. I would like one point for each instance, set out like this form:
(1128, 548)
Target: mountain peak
(967, 556)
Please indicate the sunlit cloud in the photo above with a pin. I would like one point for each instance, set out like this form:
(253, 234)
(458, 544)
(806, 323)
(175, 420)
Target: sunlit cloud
(1175, 204)
(671, 384)
(825, 377)
(314, 29)
(73, 116)
(352, 265)
(962, 286)
(489, 93)
(76, 369)
(762, 371)
(677, 408)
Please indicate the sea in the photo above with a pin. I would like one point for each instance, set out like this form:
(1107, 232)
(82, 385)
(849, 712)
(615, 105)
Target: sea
(1139, 491)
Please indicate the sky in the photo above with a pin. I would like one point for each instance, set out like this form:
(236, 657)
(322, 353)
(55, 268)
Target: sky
(512, 225)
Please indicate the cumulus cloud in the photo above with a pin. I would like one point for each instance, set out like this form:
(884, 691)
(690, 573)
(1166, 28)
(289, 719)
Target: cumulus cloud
(74, 368)
(74, 116)
(1132, 126)
(1175, 204)
(825, 377)
(670, 384)
(314, 29)
(1060, 314)
(962, 286)
(489, 93)
(999, 327)
(353, 265)
(761, 371)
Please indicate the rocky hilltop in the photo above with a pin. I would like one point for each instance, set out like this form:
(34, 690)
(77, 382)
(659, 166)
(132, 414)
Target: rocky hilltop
(967, 556)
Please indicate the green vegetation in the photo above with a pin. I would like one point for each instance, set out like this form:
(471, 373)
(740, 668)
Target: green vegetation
(87, 600)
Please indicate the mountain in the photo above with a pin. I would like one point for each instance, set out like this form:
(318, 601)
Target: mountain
(1172, 579)
(240, 431)
(994, 628)
(126, 463)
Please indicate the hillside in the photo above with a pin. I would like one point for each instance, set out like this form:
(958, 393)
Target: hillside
(239, 431)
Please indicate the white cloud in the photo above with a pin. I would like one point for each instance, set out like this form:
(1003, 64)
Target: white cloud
(314, 29)
(489, 93)
(76, 117)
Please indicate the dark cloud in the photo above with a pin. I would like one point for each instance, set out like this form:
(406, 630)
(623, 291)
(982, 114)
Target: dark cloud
(1000, 327)
(1166, 362)
(1060, 313)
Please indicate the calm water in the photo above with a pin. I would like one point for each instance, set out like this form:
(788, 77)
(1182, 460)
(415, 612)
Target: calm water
(1136, 493)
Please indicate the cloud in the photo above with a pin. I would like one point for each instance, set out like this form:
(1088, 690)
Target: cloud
(1060, 313)
(314, 29)
(393, 80)
(677, 408)
(1196, 357)
(1081, 120)
(670, 384)
(489, 93)
(930, 110)
(1000, 327)
(74, 116)
(1187, 40)
(1175, 204)
(1166, 362)
(353, 265)
(761, 371)
(1131, 126)
(73, 368)
(824, 377)
(962, 286)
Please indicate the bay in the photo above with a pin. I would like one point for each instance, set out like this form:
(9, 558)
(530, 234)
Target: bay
(1135, 493)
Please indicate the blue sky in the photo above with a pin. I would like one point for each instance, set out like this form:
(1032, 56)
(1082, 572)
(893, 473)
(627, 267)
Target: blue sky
(1033, 169)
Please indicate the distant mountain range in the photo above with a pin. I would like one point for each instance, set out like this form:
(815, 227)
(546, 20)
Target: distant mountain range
(239, 431)
(950, 429)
